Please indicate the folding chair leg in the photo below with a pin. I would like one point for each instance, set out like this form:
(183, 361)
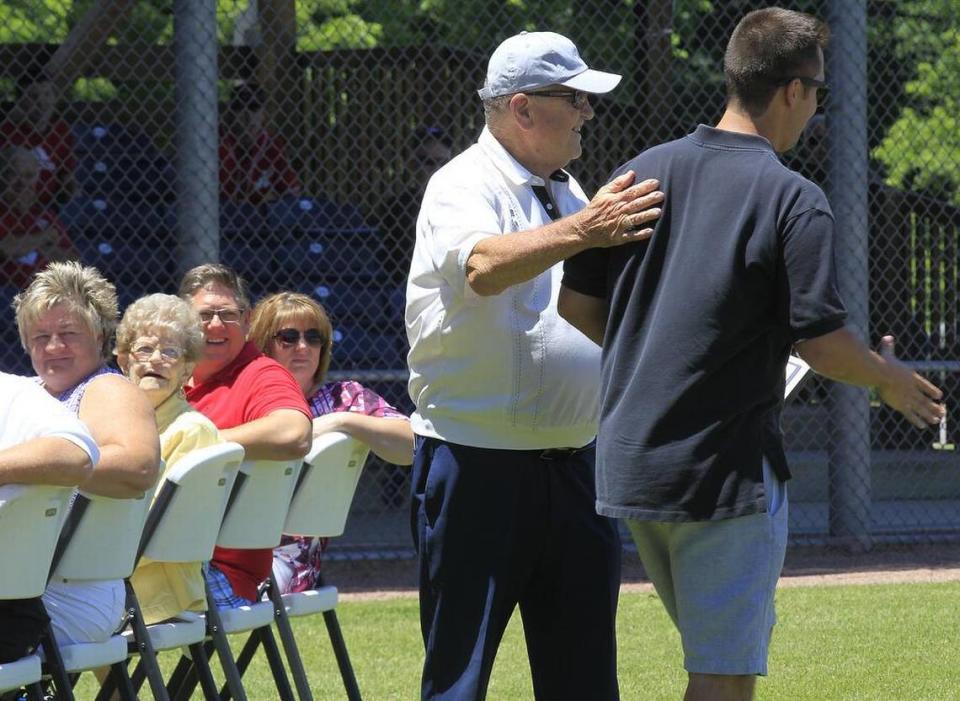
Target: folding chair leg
(290, 648)
(148, 656)
(343, 657)
(264, 636)
(107, 688)
(202, 666)
(122, 680)
(178, 676)
(59, 676)
(188, 671)
(220, 642)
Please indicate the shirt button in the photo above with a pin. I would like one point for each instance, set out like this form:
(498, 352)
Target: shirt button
(549, 206)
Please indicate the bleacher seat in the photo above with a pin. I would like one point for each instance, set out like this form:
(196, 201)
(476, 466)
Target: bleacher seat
(123, 176)
(360, 347)
(96, 139)
(352, 301)
(312, 215)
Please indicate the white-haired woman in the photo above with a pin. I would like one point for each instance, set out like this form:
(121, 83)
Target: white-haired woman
(159, 340)
(66, 318)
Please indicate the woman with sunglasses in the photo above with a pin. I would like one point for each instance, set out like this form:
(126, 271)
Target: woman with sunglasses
(295, 330)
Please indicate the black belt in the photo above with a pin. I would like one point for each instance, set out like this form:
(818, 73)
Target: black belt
(562, 453)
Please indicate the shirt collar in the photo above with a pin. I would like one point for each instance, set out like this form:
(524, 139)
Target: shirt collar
(711, 136)
(169, 409)
(247, 354)
(514, 171)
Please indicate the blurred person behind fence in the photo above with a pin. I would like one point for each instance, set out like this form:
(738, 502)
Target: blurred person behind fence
(31, 235)
(696, 327)
(253, 162)
(33, 124)
(295, 330)
(66, 318)
(506, 391)
(428, 149)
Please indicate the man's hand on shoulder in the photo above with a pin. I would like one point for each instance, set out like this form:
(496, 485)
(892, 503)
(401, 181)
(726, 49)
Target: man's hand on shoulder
(618, 212)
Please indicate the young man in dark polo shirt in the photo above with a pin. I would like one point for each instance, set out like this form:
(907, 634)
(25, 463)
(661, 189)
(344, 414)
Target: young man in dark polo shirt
(696, 326)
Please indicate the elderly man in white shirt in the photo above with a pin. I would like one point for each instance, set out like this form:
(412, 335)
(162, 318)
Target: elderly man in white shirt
(41, 442)
(506, 391)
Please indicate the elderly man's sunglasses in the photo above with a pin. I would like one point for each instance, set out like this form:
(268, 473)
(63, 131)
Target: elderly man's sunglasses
(291, 337)
(577, 98)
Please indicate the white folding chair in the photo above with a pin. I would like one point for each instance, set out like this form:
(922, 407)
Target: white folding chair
(255, 514)
(99, 542)
(319, 507)
(182, 526)
(30, 520)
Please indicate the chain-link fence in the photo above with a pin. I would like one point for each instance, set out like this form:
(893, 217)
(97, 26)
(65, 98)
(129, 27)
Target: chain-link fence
(292, 141)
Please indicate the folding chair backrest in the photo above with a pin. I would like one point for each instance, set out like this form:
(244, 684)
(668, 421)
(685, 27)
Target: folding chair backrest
(31, 516)
(258, 504)
(323, 496)
(184, 526)
(100, 540)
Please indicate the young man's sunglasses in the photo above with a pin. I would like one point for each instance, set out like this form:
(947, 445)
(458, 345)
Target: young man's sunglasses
(291, 337)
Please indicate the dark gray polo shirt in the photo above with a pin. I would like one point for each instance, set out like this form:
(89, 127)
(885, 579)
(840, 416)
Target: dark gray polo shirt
(702, 317)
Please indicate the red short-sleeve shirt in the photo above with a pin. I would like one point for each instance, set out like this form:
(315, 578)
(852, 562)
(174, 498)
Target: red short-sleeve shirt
(19, 270)
(259, 175)
(249, 388)
(54, 150)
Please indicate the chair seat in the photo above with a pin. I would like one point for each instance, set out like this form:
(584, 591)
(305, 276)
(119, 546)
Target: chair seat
(188, 628)
(20, 672)
(305, 603)
(246, 618)
(83, 656)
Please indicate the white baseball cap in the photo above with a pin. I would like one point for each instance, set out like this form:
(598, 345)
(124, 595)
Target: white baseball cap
(531, 60)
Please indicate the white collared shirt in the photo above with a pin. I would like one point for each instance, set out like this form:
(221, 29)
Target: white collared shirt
(27, 411)
(503, 371)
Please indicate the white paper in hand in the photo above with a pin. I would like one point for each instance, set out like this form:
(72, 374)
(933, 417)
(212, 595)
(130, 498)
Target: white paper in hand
(796, 370)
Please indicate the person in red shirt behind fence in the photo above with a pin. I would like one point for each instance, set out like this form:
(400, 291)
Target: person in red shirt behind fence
(32, 123)
(253, 163)
(30, 234)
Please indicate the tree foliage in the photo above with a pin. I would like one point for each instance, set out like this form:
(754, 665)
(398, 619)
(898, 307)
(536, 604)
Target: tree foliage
(921, 148)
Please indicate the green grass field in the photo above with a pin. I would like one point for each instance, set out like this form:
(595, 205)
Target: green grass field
(892, 642)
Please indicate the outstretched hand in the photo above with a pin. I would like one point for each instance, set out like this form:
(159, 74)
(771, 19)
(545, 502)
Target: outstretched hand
(618, 212)
(907, 392)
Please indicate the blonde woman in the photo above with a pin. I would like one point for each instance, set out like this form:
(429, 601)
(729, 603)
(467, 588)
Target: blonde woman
(66, 318)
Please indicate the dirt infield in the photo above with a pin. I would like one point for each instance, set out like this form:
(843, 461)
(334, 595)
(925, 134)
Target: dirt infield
(386, 579)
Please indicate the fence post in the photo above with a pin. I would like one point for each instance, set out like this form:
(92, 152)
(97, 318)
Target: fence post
(197, 138)
(849, 445)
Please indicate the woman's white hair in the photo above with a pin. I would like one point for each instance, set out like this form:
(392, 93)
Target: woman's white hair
(166, 315)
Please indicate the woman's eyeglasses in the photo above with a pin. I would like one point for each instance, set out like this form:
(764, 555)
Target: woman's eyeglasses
(169, 354)
(291, 337)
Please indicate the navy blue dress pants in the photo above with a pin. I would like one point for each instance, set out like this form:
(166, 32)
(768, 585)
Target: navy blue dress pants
(495, 529)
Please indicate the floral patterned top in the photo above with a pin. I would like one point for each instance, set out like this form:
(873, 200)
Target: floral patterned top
(300, 555)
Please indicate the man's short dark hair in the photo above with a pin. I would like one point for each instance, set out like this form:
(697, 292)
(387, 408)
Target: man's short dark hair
(199, 277)
(767, 48)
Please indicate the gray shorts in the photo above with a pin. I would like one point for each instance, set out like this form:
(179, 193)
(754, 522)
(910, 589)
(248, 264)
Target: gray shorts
(717, 580)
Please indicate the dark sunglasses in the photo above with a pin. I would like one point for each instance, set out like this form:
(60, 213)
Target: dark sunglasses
(291, 337)
(577, 98)
(821, 85)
